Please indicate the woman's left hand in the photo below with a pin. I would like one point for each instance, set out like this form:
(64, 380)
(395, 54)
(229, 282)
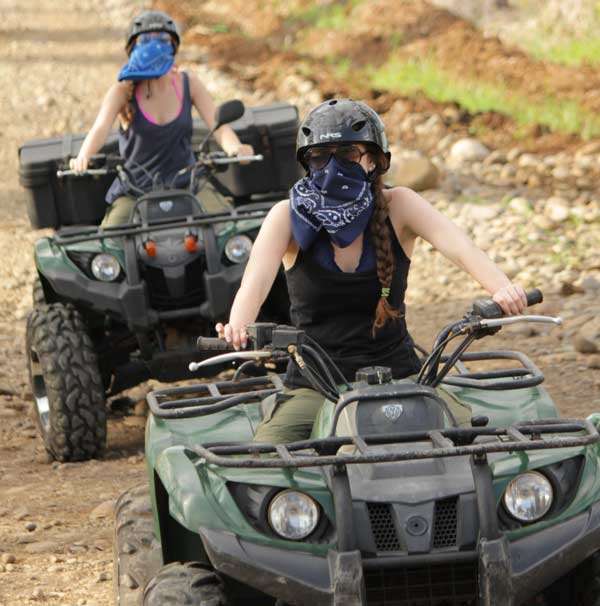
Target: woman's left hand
(511, 298)
(241, 149)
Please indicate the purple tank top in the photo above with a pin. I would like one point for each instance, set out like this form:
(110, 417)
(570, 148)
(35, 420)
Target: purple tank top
(160, 148)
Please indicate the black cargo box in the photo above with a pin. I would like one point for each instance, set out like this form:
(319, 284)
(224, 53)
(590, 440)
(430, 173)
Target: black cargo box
(271, 130)
(54, 202)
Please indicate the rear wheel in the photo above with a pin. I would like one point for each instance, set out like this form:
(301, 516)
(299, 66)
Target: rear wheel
(192, 584)
(68, 396)
(137, 555)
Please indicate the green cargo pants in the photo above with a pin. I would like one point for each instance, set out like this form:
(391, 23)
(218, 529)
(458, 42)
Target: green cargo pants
(118, 212)
(292, 419)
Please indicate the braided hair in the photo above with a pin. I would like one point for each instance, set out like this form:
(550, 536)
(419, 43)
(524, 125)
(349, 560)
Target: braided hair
(384, 255)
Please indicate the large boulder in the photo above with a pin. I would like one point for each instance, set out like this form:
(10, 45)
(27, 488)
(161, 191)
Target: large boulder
(415, 170)
(587, 338)
(466, 151)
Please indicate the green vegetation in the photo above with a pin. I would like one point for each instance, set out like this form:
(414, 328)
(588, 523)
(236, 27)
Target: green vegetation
(220, 28)
(575, 51)
(332, 16)
(424, 76)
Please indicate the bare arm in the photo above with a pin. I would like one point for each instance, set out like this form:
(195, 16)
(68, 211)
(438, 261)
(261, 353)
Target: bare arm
(205, 105)
(112, 104)
(409, 211)
(270, 246)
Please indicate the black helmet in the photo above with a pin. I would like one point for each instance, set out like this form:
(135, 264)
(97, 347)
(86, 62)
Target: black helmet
(343, 121)
(152, 21)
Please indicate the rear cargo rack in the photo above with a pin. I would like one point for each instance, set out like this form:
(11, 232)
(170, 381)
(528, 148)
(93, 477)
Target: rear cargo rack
(451, 442)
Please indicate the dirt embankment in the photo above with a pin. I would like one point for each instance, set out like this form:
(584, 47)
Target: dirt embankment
(265, 46)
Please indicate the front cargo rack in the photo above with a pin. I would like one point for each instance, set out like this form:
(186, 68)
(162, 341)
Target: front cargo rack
(78, 234)
(203, 399)
(451, 442)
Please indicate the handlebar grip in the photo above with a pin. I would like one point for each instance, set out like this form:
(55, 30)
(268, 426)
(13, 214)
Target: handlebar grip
(489, 309)
(213, 344)
(534, 297)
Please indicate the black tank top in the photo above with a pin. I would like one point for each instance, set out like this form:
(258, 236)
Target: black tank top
(159, 148)
(337, 309)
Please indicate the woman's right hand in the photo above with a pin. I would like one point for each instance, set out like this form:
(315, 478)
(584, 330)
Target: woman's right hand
(236, 335)
(79, 164)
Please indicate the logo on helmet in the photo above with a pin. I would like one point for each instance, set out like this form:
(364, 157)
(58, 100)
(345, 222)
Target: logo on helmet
(331, 136)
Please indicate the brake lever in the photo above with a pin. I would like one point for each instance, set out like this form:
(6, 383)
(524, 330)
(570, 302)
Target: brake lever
(229, 357)
(497, 322)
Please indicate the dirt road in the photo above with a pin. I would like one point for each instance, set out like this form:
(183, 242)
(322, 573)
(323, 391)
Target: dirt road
(56, 519)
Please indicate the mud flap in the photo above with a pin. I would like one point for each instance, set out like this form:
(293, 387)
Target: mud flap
(495, 580)
(347, 581)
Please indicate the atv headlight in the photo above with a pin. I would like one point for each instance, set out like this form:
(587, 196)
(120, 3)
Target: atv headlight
(293, 515)
(238, 248)
(105, 267)
(529, 496)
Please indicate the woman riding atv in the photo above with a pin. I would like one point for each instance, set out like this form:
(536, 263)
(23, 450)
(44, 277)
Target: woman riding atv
(345, 242)
(153, 101)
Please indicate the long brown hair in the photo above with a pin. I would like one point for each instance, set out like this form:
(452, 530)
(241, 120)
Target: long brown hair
(382, 239)
(128, 111)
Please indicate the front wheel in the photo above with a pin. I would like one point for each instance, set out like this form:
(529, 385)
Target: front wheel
(192, 584)
(37, 293)
(136, 550)
(580, 587)
(68, 396)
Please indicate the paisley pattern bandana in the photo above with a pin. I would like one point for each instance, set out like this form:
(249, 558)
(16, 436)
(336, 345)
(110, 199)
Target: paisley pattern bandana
(148, 60)
(337, 198)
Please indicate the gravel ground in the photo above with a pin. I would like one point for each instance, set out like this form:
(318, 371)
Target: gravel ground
(55, 519)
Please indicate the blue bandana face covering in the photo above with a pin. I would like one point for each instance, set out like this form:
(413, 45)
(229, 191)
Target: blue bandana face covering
(151, 59)
(336, 198)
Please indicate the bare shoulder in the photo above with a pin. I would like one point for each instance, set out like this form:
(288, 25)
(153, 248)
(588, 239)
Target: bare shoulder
(280, 214)
(116, 97)
(281, 207)
(195, 83)
(120, 91)
(403, 201)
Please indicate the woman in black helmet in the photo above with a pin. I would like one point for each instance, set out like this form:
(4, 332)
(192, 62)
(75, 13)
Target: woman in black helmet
(153, 101)
(345, 243)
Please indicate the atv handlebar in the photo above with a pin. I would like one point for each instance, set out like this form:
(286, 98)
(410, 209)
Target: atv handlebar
(236, 159)
(488, 308)
(213, 344)
(109, 163)
(278, 342)
(84, 173)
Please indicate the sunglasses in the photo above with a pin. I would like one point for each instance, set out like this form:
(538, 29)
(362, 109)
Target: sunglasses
(318, 157)
(147, 36)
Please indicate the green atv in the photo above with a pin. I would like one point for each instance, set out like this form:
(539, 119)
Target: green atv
(117, 306)
(388, 503)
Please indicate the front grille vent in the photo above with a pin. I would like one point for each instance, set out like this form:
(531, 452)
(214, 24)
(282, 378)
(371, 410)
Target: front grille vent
(448, 585)
(382, 527)
(158, 288)
(445, 522)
